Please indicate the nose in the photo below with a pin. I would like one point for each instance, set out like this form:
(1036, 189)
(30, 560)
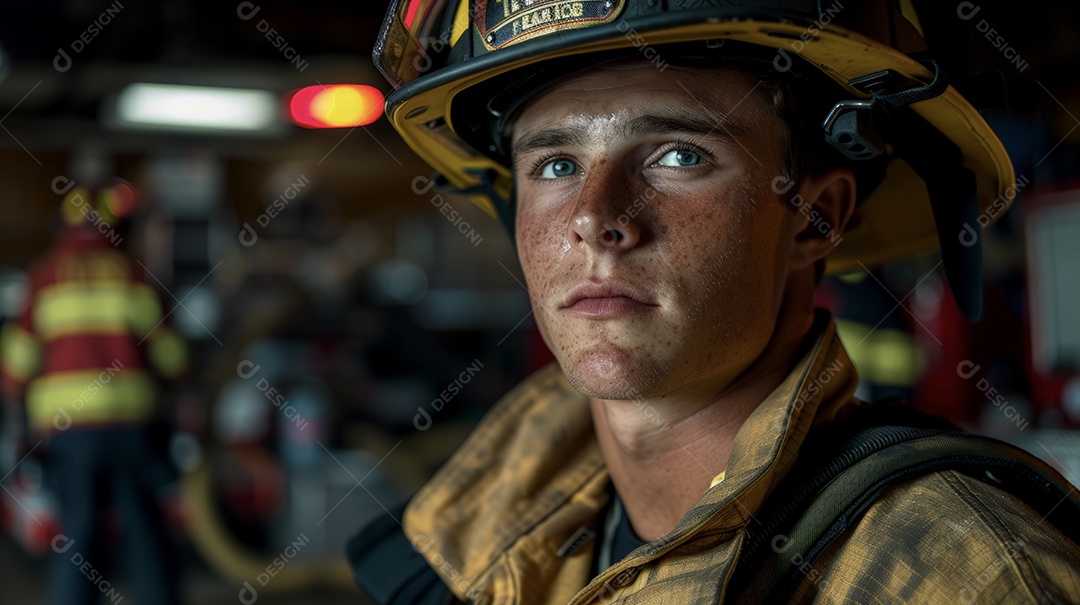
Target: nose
(604, 216)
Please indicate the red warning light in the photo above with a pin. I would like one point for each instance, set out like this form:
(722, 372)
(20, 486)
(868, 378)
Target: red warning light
(336, 106)
(122, 200)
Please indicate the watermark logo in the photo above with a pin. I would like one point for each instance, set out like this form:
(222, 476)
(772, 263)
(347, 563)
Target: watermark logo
(449, 573)
(63, 61)
(423, 62)
(61, 544)
(823, 378)
(969, 236)
(77, 199)
(247, 11)
(62, 420)
(781, 544)
(248, 594)
(967, 11)
(968, 369)
(422, 420)
(636, 206)
(650, 412)
(422, 185)
(782, 185)
(247, 369)
(782, 62)
(648, 51)
(248, 236)
(971, 590)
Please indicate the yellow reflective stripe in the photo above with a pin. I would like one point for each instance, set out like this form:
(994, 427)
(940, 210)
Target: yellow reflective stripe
(69, 309)
(21, 353)
(109, 307)
(75, 206)
(853, 336)
(885, 356)
(167, 352)
(895, 358)
(461, 22)
(107, 395)
(144, 312)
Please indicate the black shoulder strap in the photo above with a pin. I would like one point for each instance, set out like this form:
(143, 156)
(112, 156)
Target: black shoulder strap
(848, 466)
(390, 570)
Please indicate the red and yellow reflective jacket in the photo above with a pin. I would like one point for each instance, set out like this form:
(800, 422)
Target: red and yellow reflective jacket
(83, 350)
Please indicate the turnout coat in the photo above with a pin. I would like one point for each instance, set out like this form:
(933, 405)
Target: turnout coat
(503, 521)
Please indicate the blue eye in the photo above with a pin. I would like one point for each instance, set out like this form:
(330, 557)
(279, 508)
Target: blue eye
(558, 168)
(680, 158)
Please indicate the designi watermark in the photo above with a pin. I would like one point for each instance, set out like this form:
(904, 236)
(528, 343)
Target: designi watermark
(248, 236)
(968, 369)
(781, 544)
(62, 420)
(61, 544)
(969, 236)
(782, 62)
(422, 185)
(248, 369)
(422, 544)
(63, 61)
(782, 185)
(247, 11)
(248, 594)
(422, 420)
(967, 11)
(973, 588)
(61, 185)
(648, 51)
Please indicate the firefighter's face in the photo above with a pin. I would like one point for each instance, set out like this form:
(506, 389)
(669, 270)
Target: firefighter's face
(653, 244)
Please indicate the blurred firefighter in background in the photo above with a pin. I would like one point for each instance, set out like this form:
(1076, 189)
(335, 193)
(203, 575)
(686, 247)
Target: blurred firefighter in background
(86, 356)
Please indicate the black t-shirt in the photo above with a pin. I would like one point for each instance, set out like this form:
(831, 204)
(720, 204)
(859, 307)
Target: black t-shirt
(622, 541)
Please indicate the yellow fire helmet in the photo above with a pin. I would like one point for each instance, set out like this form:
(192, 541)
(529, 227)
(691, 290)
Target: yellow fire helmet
(460, 68)
(114, 203)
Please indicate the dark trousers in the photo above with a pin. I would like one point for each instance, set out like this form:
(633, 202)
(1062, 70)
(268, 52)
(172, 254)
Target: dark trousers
(89, 471)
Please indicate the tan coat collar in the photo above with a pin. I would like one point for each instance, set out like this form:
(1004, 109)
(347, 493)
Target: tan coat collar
(531, 474)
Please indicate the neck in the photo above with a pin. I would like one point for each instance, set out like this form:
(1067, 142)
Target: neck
(663, 453)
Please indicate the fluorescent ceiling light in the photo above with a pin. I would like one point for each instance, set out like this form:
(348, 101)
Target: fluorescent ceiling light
(198, 108)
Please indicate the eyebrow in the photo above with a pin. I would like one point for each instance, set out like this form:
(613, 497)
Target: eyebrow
(687, 122)
(559, 137)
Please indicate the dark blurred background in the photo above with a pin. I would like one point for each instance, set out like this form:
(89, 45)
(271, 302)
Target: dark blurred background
(345, 332)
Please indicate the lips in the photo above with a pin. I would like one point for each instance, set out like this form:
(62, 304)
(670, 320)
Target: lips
(607, 300)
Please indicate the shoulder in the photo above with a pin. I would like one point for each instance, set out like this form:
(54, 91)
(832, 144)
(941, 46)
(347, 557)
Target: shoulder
(947, 538)
(388, 567)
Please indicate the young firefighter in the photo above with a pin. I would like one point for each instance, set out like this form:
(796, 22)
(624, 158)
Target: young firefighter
(675, 175)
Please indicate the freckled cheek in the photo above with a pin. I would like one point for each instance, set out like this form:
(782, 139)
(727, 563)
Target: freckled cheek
(538, 248)
(711, 259)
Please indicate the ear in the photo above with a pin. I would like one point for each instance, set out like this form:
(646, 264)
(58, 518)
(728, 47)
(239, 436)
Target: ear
(823, 207)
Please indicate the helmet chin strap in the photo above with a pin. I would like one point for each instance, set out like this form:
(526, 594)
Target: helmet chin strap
(954, 200)
(855, 128)
(485, 188)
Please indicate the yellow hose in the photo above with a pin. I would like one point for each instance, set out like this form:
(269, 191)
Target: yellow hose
(236, 561)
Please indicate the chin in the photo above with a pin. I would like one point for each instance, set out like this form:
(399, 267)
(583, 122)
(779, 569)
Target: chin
(611, 374)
